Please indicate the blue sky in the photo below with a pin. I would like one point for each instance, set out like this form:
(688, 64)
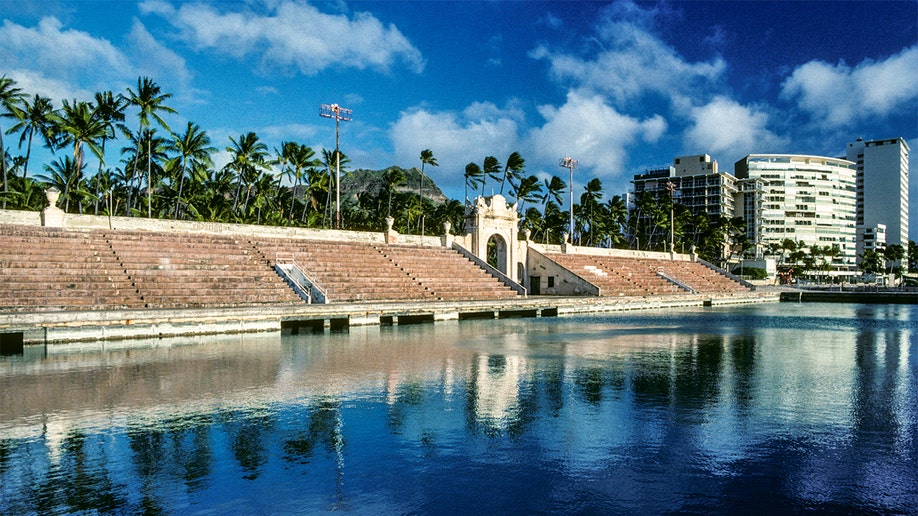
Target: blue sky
(620, 86)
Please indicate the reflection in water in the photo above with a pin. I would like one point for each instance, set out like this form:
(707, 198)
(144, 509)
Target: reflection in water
(788, 407)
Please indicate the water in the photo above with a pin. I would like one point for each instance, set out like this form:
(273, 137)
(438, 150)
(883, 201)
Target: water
(768, 408)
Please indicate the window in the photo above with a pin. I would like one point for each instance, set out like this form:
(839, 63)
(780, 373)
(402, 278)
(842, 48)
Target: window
(551, 281)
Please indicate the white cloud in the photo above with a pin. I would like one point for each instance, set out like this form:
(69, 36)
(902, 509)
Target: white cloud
(726, 128)
(482, 129)
(838, 95)
(155, 60)
(632, 62)
(51, 58)
(590, 130)
(62, 63)
(292, 35)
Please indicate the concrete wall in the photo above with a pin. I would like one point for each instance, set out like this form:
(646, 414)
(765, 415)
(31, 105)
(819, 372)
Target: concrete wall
(74, 221)
(564, 282)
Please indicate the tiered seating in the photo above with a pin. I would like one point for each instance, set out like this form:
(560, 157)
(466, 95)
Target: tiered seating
(57, 269)
(700, 278)
(182, 270)
(617, 276)
(448, 274)
(348, 271)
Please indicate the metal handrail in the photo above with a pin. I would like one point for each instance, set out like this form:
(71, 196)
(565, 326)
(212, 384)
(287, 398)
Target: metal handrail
(303, 282)
(676, 282)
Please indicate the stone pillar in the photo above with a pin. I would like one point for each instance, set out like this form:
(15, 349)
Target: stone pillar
(52, 216)
(391, 235)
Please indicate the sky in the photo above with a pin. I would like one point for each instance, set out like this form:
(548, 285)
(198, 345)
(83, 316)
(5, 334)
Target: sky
(621, 87)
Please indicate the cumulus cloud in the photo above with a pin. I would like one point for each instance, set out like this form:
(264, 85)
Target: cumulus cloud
(51, 58)
(154, 59)
(292, 34)
(836, 95)
(61, 63)
(455, 138)
(589, 129)
(631, 62)
(726, 128)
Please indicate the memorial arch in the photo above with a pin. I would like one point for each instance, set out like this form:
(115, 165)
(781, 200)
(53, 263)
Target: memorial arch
(492, 234)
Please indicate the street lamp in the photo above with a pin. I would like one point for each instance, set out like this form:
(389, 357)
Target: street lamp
(570, 164)
(338, 113)
(671, 188)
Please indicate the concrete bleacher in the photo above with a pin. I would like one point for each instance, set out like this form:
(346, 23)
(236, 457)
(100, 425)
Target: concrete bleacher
(619, 276)
(52, 269)
(350, 271)
(188, 270)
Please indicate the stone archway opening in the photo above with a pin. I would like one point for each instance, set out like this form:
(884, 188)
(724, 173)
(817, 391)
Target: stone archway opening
(497, 253)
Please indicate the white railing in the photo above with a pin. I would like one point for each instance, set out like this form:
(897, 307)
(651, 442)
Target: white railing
(307, 288)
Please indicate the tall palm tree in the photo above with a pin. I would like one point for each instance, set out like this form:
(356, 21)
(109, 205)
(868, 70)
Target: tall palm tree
(249, 159)
(393, 177)
(512, 170)
(491, 169)
(109, 109)
(10, 97)
(150, 101)
(33, 116)
(427, 158)
(193, 149)
(473, 176)
(529, 190)
(78, 124)
(295, 160)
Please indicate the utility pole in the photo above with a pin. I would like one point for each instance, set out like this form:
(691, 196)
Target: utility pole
(338, 113)
(570, 164)
(671, 188)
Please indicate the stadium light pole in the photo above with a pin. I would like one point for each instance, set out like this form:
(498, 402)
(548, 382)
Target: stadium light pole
(338, 113)
(671, 188)
(570, 164)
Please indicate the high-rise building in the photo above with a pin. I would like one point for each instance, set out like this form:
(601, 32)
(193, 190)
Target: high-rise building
(882, 186)
(804, 198)
(697, 184)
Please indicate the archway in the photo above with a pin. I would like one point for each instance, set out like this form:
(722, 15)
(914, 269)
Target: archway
(497, 253)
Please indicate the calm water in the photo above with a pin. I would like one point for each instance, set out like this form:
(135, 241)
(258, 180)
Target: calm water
(769, 408)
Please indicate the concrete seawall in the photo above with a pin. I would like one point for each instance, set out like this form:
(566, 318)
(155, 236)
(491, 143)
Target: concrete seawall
(909, 298)
(72, 326)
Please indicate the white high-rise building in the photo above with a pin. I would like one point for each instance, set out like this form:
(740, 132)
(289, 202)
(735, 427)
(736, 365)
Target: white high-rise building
(882, 186)
(804, 198)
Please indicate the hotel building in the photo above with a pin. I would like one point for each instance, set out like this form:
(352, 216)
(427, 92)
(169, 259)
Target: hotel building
(882, 187)
(697, 185)
(805, 198)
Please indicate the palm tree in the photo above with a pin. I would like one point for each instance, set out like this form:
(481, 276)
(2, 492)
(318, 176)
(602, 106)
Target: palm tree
(617, 219)
(491, 169)
(10, 97)
(589, 201)
(296, 159)
(34, 116)
(248, 160)
(473, 176)
(512, 170)
(529, 190)
(193, 148)
(78, 124)
(150, 101)
(64, 175)
(393, 177)
(109, 109)
(427, 158)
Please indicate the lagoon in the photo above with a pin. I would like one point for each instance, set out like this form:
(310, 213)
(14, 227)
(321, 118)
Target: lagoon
(763, 408)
